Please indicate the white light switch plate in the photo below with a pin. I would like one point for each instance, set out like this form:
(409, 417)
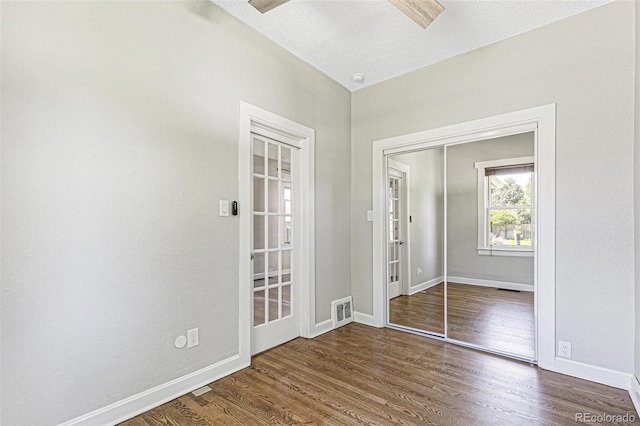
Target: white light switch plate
(224, 207)
(370, 215)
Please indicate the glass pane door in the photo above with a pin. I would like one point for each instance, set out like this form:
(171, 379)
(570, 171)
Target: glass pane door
(273, 196)
(394, 264)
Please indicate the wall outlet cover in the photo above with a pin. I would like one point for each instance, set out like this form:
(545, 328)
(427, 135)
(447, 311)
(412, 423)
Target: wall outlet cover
(192, 338)
(564, 349)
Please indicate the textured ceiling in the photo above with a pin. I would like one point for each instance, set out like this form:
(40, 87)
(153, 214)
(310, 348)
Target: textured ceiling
(372, 37)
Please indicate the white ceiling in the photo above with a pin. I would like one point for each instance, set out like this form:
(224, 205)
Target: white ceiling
(372, 37)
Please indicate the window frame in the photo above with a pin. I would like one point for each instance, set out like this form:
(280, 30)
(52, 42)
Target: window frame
(484, 249)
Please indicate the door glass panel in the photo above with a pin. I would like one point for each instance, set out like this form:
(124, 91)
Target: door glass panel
(286, 266)
(258, 270)
(273, 196)
(285, 227)
(286, 301)
(258, 232)
(273, 304)
(258, 194)
(286, 163)
(273, 160)
(285, 208)
(258, 307)
(273, 232)
(258, 156)
(274, 270)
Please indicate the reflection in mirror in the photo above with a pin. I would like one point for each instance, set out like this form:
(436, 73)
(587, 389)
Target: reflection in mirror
(490, 244)
(415, 269)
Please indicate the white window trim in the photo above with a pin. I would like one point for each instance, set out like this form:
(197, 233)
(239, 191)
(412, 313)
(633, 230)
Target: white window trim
(483, 195)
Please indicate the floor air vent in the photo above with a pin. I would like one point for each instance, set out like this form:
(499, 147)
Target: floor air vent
(342, 311)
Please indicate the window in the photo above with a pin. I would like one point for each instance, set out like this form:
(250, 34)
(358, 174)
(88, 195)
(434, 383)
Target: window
(506, 207)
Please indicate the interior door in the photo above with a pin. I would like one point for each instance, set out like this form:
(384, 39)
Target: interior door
(395, 252)
(275, 311)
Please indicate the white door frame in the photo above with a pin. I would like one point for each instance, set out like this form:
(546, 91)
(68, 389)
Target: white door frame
(541, 119)
(406, 229)
(279, 128)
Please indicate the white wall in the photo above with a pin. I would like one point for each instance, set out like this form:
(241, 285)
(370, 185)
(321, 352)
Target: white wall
(585, 64)
(462, 212)
(426, 194)
(637, 194)
(119, 136)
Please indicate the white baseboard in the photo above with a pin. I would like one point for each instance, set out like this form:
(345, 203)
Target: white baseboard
(634, 393)
(151, 398)
(365, 319)
(490, 283)
(321, 328)
(605, 376)
(425, 285)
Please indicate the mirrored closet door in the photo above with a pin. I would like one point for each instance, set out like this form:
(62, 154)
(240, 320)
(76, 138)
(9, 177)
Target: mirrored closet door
(461, 243)
(416, 209)
(490, 259)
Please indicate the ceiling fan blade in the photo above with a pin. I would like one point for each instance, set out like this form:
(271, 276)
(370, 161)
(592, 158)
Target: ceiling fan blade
(423, 12)
(266, 5)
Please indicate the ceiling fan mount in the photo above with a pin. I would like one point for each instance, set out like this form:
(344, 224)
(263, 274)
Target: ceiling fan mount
(422, 12)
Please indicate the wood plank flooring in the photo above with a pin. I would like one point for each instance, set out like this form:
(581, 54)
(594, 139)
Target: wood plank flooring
(359, 375)
(492, 318)
(423, 310)
(485, 316)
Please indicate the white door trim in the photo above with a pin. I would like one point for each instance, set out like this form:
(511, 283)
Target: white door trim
(288, 131)
(542, 118)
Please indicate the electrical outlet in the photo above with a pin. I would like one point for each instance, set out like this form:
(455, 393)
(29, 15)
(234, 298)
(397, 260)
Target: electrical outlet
(564, 349)
(192, 338)
(418, 271)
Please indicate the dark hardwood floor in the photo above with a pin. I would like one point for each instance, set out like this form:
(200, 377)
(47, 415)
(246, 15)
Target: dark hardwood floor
(423, 310)
(485, 316)
(491, 318)
(363, 375)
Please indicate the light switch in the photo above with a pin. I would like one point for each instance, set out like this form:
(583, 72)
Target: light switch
(224, 207)
(370, 215)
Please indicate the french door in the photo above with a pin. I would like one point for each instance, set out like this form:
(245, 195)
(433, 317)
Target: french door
(395, 239)
(275, 292)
